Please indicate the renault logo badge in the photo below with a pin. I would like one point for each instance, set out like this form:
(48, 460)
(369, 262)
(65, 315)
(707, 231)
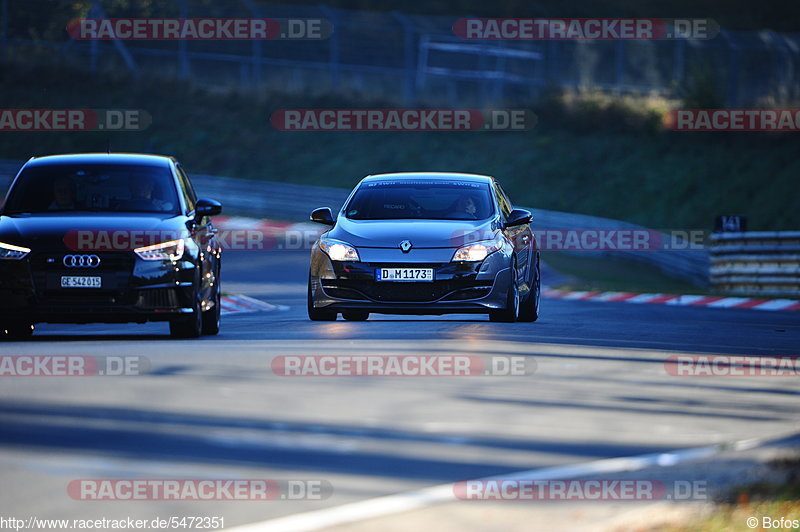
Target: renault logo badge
(405, 246)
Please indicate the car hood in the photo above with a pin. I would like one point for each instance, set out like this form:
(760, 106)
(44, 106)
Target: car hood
(421, 233)
(59, 230)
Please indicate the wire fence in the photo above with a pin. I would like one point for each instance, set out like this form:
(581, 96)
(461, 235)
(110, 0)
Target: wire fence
(413, 59)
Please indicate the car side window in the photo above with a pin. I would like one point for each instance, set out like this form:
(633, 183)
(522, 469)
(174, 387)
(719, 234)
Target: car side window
(186, 188)
(502, 200)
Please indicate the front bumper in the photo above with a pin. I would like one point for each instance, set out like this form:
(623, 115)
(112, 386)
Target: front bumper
(458, 287)
(133, 290)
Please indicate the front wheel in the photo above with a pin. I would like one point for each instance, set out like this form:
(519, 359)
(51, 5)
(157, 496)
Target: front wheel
(316, 314)
(190, 325)
(529, 308)
(510, 313)
(212, 315)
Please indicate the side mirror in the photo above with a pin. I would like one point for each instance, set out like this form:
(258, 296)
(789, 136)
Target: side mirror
(518, 217)
(207, 207)
(323, 216)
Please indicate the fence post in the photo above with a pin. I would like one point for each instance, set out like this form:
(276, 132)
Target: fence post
(679, 60)
(733, 69)
(410, 82)
(335, 43)
(257, 44)
(98, 12)
(5, 25)
(183, 56)
(783, 70)
(498, 89)
(619, 65)
(422, 61)
(553, 74)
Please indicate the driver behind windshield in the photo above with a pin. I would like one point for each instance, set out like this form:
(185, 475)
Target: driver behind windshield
(465, 207)
(143, 197)
(63, 195)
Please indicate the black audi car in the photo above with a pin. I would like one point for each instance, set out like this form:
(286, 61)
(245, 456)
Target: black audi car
(108, 238)
(425, 243)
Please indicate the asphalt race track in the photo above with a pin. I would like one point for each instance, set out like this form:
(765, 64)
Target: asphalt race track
(212, 408)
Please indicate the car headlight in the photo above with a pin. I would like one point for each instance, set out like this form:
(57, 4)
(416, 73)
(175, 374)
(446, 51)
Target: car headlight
(11, 252)
(477, 251)
(172, 250)
(338, 250)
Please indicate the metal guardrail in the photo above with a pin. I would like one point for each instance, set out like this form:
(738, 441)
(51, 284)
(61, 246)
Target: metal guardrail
(290, 202)
(756, 262)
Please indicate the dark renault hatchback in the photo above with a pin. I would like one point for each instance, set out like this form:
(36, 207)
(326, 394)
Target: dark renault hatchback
(108, 238)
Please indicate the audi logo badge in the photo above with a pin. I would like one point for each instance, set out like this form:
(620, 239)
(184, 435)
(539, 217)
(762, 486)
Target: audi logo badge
(405, 246)
(81, 261)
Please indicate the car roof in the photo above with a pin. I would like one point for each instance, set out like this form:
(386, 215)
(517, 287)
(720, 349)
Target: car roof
(429, 176)
(102, 158)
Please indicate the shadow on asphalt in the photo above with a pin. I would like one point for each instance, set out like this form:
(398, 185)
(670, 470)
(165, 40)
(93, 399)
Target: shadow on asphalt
(44, 428)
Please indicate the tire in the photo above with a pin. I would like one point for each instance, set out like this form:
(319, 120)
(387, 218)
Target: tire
(189, 326)
(529, 308)
(510, 313)
(211, 316)
(17, 331)
(355, 315)
(315, 314)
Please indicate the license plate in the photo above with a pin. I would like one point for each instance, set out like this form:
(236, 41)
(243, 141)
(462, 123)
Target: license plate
(68, 281)
(404, 274)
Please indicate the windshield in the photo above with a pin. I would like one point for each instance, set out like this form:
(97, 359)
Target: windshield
(93, 187)
(431, 200)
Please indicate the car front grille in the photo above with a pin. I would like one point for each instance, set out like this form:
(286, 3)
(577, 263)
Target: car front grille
(157, 298)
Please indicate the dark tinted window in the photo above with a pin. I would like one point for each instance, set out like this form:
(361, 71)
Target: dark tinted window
(187, 189)
(502, 200)
(94, 187)
(432, 200)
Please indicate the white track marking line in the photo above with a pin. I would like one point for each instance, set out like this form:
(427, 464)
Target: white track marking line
(412, 500)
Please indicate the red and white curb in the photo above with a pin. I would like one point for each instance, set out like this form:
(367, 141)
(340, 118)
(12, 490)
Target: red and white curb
(675, 299)
(240, 304)
(265, 226)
